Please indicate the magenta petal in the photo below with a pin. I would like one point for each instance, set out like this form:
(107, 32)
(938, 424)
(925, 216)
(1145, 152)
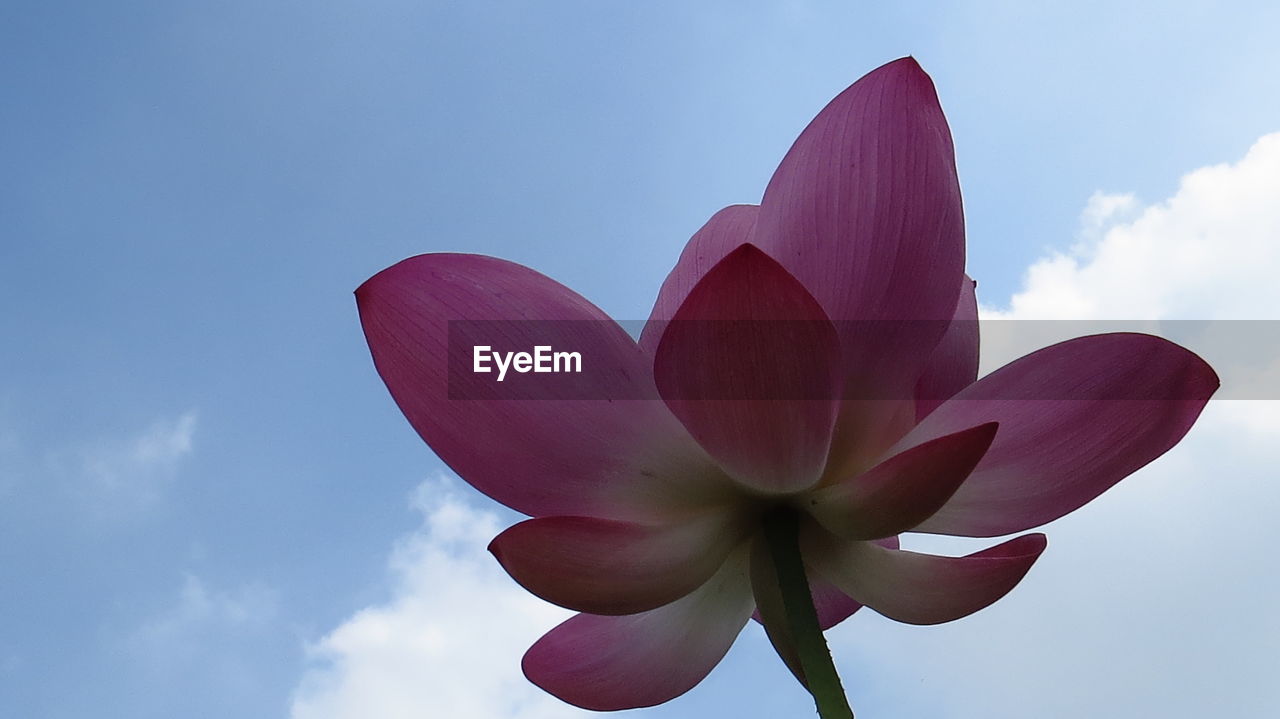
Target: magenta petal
(923, 588)
(608, 567)
(954, 362)
(588, 456)
(724, 232)
(865, 211)
(639, 660)
(750, 366)
(902, 491)
(833, 606)
(1075, 418)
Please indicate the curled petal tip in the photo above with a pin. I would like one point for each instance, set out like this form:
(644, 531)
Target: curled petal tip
(1212, 380)
(1025, 546)
(923, 589)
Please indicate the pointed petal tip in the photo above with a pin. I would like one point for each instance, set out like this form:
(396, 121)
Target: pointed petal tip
(907, 67)
(750, 254)
(904, 490)
(904, 70)
(721, 234)
(1028, 545)
(985, 433)
(373, 287)
(533, 667)
(728, 369)
(367, 288)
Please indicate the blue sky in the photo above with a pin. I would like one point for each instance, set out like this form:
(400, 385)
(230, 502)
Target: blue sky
(202, 478)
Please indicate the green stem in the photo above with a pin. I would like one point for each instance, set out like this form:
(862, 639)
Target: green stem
(781, 532)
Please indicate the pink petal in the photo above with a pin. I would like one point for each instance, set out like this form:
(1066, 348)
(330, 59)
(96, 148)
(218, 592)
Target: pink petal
(865, 211)
(833, 605)
(639, 660)
(750, 366)
(602, 450)
(609, 567)
(954, 362)
(1075, 418)
(902, 491)
(923, 588)
(724, 232)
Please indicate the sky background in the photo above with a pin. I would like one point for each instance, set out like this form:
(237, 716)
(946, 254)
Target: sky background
(210, 506)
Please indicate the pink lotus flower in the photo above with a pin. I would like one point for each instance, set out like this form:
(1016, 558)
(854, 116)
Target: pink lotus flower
(659, 487)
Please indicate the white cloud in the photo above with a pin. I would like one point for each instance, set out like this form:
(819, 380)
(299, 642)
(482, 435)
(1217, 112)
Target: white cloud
(1209, 252)
(449, 640)
(1102, 210)
(1157, 599)
(121, 474)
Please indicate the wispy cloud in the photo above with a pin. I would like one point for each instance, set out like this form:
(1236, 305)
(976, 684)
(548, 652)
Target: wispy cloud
(130, 472)
(200, 610)
(207, 642)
